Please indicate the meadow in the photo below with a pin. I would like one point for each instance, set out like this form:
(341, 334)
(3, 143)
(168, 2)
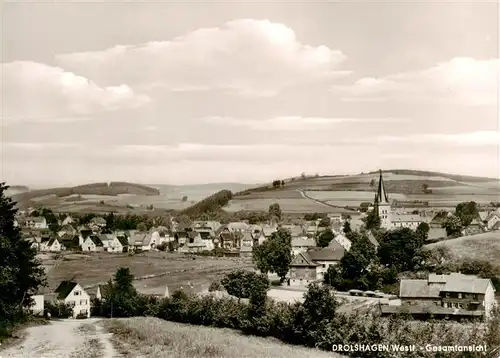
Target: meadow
(153, 270)
(154, 337)
(480, 247)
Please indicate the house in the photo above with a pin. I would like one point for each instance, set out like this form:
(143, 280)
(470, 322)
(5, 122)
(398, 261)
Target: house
(337, 227)
(97, 223)
(36, 222)
(268, 230)
(311, 266)
(67, 229)
(84, 233)
(93, 243)
(405, 220)
(229, 240)
(474, 228)
(439, 219)
(492, 219)
(295, 230)
(343, 241)
(210, 227)
(119, 244)
(107, 240)
(72, 293)
(302, 244)
(302, 270)
(53, 245)
(246, 240)
(70, 242)
(136, 241)
(102, 291)
(197, 244)
(67, 221)
(237, 227)
(37, 306)
(453, 296)
(311, 229)
(326, 257)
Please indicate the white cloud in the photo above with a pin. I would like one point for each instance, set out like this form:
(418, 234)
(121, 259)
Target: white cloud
(481, 138)
(248, 57)
(38, 92)
(292, 123)
(460, 81)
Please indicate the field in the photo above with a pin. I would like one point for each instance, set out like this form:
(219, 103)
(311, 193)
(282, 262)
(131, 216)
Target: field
(153, 270)
(153, 337)
(445, 191)
(481, 247)
(169, 198)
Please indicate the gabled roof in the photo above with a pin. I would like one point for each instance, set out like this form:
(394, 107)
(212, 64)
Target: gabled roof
(64, 289)
(36, 219)
(106, 237)
(247, 236)
(227, 236)
(98, 220)
(51, 241)
(483, 215)
(123, 240)
(466, 284)
(436, 284)
(440, 217)
(295, 230)
(103, 289)
(96, 240)
(303, 260)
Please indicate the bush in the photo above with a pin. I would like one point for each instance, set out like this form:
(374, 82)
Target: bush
(58, 309)
(215, 286)
(81, 316)
(163, 246)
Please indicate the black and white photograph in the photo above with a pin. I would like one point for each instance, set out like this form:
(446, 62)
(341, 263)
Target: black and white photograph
(219, 179)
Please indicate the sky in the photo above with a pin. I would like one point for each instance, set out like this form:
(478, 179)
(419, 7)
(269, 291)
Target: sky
(203, 92)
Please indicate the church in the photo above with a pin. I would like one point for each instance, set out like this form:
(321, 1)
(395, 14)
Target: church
(389, 218)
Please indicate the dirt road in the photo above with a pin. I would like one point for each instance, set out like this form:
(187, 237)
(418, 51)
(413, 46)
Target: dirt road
(64, 338)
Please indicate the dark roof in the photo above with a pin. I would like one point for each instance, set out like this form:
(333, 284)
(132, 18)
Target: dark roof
(96, 240)
(51, 241)
(440, 217)
(104, 289)
(227, 236)
(70, 241)
(123, 240)
(205, 235)
(327, 254)
(64, 289)
(303, 260)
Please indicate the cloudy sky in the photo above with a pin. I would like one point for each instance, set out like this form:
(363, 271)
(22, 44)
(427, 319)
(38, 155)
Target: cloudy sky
(181, 93)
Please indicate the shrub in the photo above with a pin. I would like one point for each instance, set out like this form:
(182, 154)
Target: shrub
(215, 286)
(58, 309)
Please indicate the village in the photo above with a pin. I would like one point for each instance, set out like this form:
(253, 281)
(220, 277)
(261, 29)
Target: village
(454, 295)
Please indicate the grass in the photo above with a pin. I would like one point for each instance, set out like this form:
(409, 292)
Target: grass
(153, 270)
(481, 247)
(153, 337)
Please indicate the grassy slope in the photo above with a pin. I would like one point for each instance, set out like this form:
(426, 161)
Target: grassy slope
(482, 247)
(153, 337)
(173, 270)
(447, 190)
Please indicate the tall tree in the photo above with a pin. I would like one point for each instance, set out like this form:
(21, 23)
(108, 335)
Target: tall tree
(275, 210)
(423, 230)
(453, 226)
(21, 274)
(467, 212)
(372, 220)
(275, 254)
(324, 238)
(402, 249)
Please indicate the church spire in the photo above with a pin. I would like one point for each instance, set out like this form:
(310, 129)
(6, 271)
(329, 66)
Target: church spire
(381, 197)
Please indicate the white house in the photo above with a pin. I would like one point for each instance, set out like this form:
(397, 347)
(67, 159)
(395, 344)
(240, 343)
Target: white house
(36, 222)
(492, 219)
(52, 245)
(74, 294)
(92, 243)
(118, 244)
(37, 306)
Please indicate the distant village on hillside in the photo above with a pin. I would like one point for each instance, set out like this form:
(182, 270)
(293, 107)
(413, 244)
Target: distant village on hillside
(318, 242)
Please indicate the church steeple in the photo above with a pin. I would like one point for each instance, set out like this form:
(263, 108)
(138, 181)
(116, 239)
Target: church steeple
(381, 197)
